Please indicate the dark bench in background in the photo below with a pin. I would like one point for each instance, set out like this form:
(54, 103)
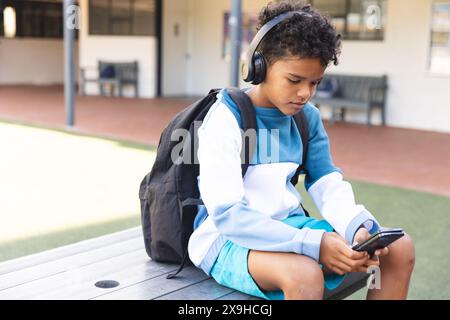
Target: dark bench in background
(355, 92)
(112, 74)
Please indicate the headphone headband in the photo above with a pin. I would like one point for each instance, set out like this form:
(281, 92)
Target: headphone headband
(262, 33)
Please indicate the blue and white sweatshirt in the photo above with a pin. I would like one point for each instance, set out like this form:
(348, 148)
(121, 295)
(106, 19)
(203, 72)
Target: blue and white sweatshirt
(249, 211)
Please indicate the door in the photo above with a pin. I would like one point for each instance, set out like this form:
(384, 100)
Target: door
(175, 48)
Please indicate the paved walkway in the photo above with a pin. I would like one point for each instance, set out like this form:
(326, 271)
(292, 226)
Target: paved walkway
(411, 159)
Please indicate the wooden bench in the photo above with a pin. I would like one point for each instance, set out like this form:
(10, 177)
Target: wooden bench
(123, 74)
(355, 92)
(86, 270)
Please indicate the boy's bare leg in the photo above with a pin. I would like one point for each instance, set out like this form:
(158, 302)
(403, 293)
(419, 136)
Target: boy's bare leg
(396, 269)
(299, 277)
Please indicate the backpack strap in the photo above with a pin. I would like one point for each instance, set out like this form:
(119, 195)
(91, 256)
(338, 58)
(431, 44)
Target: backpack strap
(302, 125)
(214, 91)
(248, 115)
(180, 267)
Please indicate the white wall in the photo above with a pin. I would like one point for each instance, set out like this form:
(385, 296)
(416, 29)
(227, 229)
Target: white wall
(207, 67)
(416, 98)
(119, 49)
(32, 61)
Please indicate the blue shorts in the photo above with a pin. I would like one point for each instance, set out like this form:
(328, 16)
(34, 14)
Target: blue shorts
(231, 266)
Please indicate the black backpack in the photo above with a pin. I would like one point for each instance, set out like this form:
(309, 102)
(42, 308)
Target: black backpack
(169, 194)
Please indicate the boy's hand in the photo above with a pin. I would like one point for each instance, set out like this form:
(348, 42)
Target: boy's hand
(337, 256)
(362, 235)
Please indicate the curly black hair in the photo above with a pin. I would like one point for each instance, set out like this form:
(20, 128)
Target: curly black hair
(301, 36)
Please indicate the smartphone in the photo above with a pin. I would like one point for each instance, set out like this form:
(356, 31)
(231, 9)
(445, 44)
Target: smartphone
(379, 240)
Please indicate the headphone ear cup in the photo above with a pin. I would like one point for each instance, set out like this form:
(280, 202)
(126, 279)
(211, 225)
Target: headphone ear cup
(247, 71)
(260, 68)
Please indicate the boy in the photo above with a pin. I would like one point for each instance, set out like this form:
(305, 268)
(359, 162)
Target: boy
(252, 234)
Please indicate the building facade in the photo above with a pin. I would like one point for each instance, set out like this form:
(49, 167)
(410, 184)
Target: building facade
(182, 47)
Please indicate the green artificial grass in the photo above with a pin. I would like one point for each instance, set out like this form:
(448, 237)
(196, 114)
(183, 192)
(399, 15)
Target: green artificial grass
(425, 217)
(59, 187)
(27, 246)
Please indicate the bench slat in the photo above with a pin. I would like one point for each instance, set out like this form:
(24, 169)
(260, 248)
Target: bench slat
(69, 250)
(342, 92)
(156, 287)
(145, 270)
(74, 282)
(204, 290)
(68, 263)
(339, 102)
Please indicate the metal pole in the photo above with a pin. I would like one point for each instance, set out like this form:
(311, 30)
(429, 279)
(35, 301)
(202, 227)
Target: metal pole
(69, 63)
(236, 37)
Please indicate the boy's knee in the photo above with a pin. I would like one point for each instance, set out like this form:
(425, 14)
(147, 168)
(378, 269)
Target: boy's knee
(404, 252)
(305, 279)
(410, 251)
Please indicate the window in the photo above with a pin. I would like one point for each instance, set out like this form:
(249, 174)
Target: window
(31, 19)
(122, 17)
(440, 38)
(9, 22)
(2, 20)
(355, 19)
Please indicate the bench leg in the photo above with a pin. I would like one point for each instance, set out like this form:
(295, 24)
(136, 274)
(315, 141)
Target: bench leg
(120, 90)
(343, 112)
(383, 116)
(369, 116)
(102, 90)
(334, 115)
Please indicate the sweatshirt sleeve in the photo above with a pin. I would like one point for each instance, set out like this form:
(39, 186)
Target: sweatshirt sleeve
(222, 191)
(324, 182)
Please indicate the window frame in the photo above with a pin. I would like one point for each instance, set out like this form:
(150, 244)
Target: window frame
(19, 8)
(2, 31)
(430, 71)
(131, 20)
